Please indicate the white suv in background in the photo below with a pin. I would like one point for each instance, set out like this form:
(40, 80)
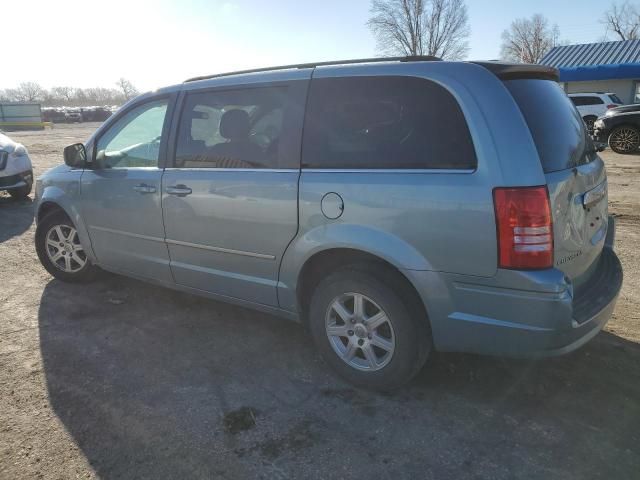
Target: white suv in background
(594, 105)
(16, 172)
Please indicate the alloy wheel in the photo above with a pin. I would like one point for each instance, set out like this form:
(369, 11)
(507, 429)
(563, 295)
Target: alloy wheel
(360, 332)
(625, 139)
(64, 249)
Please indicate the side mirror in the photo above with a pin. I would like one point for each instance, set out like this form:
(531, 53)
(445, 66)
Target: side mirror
(75, 155)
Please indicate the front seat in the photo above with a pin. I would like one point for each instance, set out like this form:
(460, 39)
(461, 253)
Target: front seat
(238, 151)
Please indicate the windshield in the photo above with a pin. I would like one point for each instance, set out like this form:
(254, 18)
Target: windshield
(556, 126)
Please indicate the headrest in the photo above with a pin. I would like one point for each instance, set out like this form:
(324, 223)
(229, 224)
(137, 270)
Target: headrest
(235, 124)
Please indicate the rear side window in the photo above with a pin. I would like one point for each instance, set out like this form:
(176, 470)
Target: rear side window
(232, 129)
(615, 99)
(582, 101)
(593, 101)
(556, 126)
(384, 123)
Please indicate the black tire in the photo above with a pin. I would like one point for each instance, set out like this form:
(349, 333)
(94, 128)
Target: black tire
(49, 222)
(589, 121)
(23, 192)
(624, 139)
(410, 329)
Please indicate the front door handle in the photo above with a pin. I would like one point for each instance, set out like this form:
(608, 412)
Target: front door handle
(144, 188)
(179, 190)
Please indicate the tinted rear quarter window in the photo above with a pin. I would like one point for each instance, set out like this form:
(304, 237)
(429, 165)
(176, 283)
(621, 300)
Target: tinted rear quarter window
(385, 123)
(556, 126)
(615, 99)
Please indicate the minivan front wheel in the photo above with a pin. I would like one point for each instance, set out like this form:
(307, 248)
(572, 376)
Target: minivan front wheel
(368, 330)
(60, 251)
(624, 139)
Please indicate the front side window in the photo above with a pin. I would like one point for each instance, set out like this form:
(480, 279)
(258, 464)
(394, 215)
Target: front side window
(385, 123)
(232, 129)
(134, 140)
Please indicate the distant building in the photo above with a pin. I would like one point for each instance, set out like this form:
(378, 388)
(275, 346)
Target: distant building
(20, 116)
(599, 67)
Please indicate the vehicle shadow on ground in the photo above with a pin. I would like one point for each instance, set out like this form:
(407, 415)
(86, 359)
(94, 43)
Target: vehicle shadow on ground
(16, 216)
(157, 384)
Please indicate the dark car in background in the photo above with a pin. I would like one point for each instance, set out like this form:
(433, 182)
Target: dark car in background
(53, 115)
(623, 109)
(95, 114)
(620, 129)
(76, 114)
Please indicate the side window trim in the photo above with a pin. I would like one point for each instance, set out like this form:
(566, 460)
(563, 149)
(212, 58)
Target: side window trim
(162, 157)
(293, 122)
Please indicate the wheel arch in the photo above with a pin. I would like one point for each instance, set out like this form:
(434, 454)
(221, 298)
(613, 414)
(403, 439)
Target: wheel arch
(322, 263)
(627, 124)
(55, 199)
(46, 207)
(635, 126)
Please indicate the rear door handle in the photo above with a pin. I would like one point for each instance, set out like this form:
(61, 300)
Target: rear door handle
(144, 188)
(179, 190)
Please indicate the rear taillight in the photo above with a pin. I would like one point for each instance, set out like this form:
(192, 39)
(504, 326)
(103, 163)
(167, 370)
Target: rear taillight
(613, 105)
(525, 233)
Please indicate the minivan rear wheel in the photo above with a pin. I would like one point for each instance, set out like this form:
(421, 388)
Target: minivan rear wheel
(624, 139)
(60, 251)
(366, 330)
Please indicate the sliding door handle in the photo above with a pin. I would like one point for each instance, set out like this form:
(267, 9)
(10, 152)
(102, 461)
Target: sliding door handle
(179, 190)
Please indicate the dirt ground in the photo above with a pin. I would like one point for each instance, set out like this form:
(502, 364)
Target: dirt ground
(120, 379)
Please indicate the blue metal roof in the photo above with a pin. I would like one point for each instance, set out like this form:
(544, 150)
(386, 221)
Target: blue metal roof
(596, 61)
(593, 54)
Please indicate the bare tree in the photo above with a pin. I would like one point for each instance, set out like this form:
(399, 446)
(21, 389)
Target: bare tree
(25, 92)
(66, 94)
(102, 96)
(623, 20)
(421, 27)
(528, 39)
(127, 88)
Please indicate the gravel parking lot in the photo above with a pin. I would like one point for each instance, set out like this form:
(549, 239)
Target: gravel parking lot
(121, 379)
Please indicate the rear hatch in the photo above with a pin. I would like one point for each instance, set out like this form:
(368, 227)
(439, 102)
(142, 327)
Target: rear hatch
(575, 175)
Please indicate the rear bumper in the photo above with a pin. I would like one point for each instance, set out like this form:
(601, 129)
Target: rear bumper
(592, 305)
(539, 314)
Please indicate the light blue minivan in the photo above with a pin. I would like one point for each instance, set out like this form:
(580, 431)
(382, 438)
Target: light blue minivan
(394, 206)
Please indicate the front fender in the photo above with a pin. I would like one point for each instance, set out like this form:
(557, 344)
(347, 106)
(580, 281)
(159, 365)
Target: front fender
(325, 237)
(65, 195)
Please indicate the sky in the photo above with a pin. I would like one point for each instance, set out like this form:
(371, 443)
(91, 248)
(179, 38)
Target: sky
(88, 43)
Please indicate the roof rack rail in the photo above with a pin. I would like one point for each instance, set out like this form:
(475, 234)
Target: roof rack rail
(416, 58)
